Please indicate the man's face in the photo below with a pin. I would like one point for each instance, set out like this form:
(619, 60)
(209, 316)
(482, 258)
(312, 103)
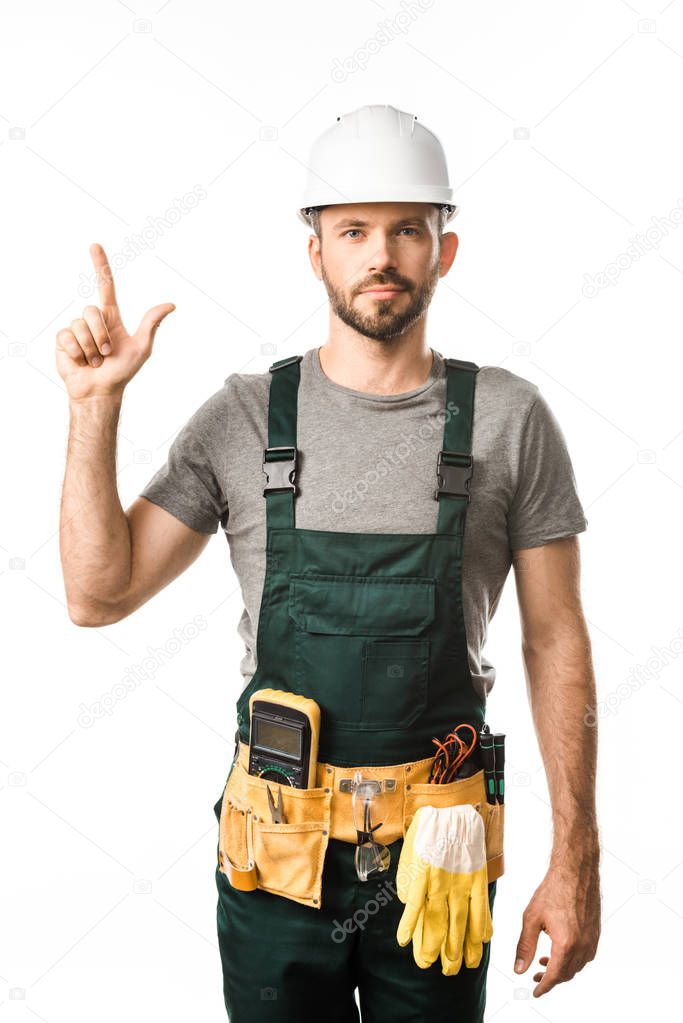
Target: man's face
(377, 245)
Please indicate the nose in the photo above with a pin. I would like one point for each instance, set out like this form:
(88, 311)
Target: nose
(381, 258)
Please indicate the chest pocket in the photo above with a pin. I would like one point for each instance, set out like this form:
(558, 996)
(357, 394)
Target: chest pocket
(361, 649)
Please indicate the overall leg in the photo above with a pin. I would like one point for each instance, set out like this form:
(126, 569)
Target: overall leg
(284, 962)
(392, 986)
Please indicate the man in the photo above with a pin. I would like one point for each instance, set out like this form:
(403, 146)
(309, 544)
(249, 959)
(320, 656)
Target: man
(368, 583)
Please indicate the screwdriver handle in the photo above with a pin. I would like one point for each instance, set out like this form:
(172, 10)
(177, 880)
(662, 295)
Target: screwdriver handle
(499, 758)
(488, 763)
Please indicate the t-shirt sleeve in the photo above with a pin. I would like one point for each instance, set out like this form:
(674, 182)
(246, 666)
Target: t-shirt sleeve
(191, 484)
(546, 504)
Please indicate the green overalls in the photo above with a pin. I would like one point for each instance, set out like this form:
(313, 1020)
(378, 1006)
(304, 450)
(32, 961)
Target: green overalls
(370, 626)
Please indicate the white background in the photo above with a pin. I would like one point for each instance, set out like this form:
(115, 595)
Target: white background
(562, 127)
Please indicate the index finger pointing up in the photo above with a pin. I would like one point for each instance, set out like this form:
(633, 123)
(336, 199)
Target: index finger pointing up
(105, 278)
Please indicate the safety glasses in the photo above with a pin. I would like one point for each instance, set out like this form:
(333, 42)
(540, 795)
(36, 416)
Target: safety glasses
(371, 857)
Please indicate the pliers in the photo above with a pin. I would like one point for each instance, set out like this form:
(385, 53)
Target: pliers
(276, 811)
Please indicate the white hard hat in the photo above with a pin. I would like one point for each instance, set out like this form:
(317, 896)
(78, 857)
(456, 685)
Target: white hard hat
(377, 154)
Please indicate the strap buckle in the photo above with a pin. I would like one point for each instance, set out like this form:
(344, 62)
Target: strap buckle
(453, 479)
(372, 785)
(280, 471)
(285, 362)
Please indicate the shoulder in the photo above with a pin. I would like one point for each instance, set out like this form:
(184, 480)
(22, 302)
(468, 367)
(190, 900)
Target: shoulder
(251, 391)
(503, 400)
(494, 383)
(247, 389)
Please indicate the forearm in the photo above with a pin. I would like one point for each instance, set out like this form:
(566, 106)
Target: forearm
(561, 684)
(94, 535)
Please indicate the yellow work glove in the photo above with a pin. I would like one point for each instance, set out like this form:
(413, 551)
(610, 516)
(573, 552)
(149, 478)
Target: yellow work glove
(442, 879)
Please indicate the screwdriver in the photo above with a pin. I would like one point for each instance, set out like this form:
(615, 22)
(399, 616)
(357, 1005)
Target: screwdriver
(499, 755)
(488, 763)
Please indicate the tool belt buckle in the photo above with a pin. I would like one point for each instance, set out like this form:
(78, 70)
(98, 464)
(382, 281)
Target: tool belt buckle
(374, 785)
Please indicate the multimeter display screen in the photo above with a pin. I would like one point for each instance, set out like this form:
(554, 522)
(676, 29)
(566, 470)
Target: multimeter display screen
(278, 738)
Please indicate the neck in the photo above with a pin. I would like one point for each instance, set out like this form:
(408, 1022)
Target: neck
(377, 367)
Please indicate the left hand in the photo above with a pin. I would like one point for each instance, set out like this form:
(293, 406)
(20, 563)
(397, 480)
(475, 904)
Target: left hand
(566, 905)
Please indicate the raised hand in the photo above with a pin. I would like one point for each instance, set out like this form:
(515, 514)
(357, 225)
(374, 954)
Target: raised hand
(96, 356)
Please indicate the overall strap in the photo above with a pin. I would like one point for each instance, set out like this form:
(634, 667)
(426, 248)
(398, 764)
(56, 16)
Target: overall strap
(454, 462)
(279, 458)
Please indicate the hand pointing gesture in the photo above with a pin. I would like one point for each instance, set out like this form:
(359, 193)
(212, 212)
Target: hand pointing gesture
(96, 356)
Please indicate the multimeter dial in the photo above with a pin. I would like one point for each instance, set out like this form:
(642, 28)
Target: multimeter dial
(272, 772)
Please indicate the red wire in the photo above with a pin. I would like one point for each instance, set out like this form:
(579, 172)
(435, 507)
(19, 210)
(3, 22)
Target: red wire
(447, 760)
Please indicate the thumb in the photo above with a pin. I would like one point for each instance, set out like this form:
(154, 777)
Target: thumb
(526, 946)
(152, 318)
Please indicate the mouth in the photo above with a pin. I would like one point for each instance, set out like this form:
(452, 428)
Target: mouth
(383, 292)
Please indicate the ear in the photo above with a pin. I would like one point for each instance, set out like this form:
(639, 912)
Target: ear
(449, 247)
(314, 255)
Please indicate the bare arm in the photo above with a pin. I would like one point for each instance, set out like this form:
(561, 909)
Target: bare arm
(113, 561)
(561, 687)
(560, 683)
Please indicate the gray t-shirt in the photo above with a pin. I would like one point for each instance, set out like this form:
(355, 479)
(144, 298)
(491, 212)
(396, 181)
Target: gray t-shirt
(367, 463)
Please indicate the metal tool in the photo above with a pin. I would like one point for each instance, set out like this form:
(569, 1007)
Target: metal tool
(276, 812)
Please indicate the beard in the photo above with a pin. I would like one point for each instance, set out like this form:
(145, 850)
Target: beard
(385, 321)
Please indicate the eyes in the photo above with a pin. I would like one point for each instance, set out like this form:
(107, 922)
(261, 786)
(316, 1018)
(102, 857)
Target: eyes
(356, 230)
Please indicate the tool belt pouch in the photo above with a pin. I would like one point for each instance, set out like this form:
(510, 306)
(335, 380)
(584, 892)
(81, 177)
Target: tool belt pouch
(254, 852)
(287, 859)
(464, 790)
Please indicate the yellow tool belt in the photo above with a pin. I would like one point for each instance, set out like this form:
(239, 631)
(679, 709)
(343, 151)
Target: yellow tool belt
(287, 859)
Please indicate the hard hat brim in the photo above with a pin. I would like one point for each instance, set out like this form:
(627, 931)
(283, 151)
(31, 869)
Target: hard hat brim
(302, 211)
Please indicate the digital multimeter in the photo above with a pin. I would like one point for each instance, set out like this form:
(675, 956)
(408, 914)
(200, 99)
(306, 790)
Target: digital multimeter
(283, 737)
